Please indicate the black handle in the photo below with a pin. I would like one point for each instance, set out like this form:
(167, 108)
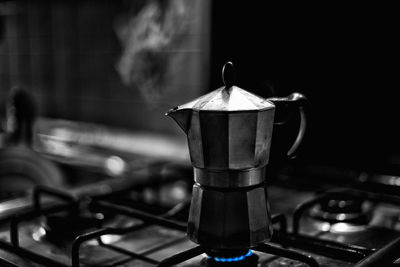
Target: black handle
(300, 101)
(228, 74)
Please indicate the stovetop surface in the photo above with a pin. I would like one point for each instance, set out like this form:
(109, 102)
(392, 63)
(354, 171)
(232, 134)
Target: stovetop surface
(146, 242)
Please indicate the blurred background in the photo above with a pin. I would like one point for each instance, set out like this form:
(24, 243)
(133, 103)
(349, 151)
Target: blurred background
(103, 73)
(107, 62)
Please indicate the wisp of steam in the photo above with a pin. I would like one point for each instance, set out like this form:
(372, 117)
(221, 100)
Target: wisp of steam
(147, 38)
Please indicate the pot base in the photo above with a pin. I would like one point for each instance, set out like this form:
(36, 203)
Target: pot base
(229, 219)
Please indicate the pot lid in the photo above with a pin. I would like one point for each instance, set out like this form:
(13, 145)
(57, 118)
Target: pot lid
(229, 97)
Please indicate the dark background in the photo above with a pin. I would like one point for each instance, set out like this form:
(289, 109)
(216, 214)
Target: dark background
(345, 59)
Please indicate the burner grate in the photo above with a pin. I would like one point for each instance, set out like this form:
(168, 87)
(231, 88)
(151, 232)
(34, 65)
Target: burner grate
(283, 243)
(298, 213)
(72, 205)
(362, 256)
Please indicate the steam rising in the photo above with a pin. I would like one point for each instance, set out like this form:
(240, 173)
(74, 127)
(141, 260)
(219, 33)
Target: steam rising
(147, 39)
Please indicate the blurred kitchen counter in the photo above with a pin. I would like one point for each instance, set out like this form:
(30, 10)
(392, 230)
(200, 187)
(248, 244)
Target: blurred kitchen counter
(110, 150)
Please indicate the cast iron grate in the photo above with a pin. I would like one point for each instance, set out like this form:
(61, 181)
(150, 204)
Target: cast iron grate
(283, 243)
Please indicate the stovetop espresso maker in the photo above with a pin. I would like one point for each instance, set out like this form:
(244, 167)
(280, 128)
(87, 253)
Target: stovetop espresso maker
(229, 134)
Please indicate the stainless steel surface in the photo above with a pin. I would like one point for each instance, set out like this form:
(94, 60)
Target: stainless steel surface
(229, 179)
(231, 129)
(234, 219)
(229, 135)
(228, 128)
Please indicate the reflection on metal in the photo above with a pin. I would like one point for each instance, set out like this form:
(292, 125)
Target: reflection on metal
(230, 130)
(38, 234)
(115, 165)
(339, 228)
(346, 228)
(229, 133)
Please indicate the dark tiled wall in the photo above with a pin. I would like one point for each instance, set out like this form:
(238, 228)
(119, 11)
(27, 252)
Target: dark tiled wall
(66, 53)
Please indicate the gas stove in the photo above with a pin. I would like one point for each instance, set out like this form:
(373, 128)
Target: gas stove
(123, 222)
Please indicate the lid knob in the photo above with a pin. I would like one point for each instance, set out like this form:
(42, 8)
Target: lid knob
(228, 74)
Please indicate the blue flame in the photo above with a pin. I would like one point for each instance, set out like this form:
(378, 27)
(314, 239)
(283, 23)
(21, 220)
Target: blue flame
(239, 258)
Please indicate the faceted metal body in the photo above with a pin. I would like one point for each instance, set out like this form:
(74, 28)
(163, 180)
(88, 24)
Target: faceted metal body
(223, 141)
(229, 219)
(229, 133)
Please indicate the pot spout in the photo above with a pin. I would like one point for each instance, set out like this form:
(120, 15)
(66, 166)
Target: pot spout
(181, 117)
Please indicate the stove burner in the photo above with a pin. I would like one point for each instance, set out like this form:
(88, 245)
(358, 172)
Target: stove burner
(64, 227)
(231, 258)
(238, 258)
(345, 210)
